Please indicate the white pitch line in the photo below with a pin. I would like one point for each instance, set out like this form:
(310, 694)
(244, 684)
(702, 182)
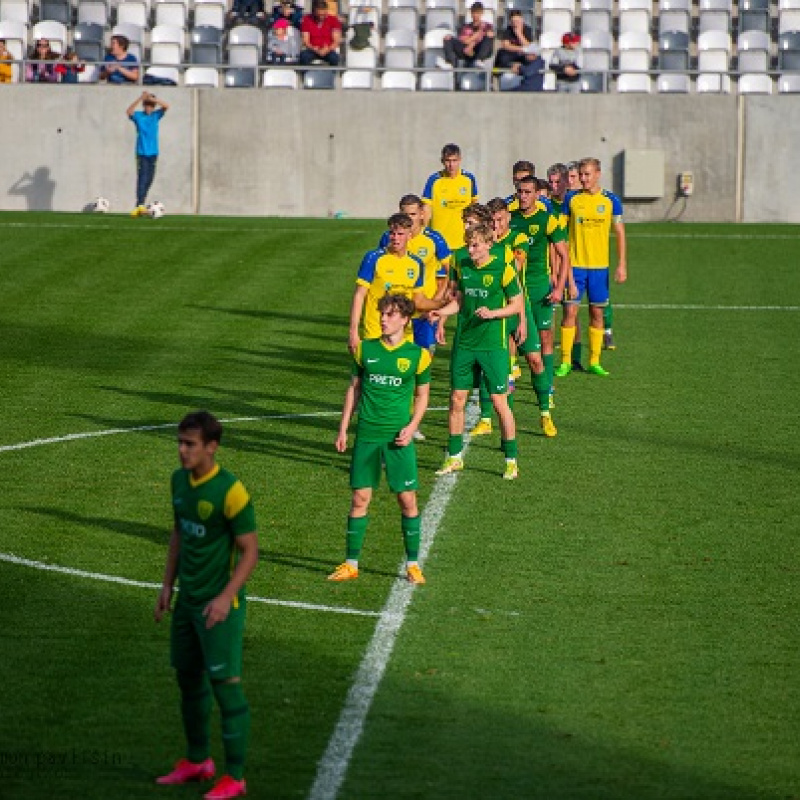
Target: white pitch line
(697, 307)
(756, 236)
(162, 228)
(332, 767)
(10, 558)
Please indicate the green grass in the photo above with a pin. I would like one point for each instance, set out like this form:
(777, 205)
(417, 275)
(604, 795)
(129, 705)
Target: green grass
(619, 623)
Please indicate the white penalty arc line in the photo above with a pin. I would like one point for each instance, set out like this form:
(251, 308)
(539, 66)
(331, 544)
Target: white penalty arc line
(10, 558)
(332, 767)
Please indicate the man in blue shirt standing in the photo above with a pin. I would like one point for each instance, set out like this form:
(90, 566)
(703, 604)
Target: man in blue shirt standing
(146, 122)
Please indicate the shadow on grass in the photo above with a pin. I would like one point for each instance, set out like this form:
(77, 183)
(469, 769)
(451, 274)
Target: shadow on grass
(140, 530)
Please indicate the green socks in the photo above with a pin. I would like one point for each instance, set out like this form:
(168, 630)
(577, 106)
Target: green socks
(541, 385)
(356, 531)
(195, 711)
(235, 725)
(455, 444)
(509, 447)
(411, 527)
(608, 317)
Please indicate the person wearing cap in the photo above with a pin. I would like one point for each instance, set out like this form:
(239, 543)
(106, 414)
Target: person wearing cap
(283, 43)
(513, 41)
(566, 62)
(475, 42)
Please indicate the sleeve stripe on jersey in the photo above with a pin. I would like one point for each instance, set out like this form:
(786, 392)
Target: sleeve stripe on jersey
(235, 500)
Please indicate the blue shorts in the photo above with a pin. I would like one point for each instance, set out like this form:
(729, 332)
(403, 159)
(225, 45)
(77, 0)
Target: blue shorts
(591, 282)
(424, 333)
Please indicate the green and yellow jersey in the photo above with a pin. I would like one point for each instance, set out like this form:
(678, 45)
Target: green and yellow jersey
(541, 228)
(209, 514)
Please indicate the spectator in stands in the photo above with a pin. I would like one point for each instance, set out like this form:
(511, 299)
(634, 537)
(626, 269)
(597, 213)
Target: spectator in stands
(513, 41)
(475, 42)
(283, 45)
(69, 67)
(531, 69)
(289, 11)
(322, 35)
(6, 67)
(566, 63)
(120, 66)
(247, 11)
(41, 67)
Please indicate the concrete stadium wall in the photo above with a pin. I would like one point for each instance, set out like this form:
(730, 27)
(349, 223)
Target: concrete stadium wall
(316, 153)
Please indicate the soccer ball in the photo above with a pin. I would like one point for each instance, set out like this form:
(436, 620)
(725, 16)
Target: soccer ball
(102, 206)
(156, 209)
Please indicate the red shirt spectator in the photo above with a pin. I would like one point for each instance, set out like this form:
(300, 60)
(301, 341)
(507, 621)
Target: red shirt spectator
(322, 34)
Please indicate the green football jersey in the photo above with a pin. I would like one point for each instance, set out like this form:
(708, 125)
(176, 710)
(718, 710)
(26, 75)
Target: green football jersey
(389, 376)
(209, 515)
(490, 285)
(541, 228)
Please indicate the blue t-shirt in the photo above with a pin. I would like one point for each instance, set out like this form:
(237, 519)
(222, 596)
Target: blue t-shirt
(128, 61)
(147, 131)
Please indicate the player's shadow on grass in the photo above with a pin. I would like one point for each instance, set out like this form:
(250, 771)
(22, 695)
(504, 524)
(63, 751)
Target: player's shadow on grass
(323, 566)
(305, 360)
(159, 534)
(302, 321)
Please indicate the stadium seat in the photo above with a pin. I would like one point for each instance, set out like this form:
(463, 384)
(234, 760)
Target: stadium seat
(201, 77)
(528, 9)
(635, 52)
(441, 14)
(280, 79)
(754, 16)
(357, 79)
(753, 47)
(674, 15)
(433, 46)
(87, 39)
(673, 83)
(319, 79)
(362, 59)
(510, 82)
(400, 49)
(789, 84)
(16, 36)
(402, 81)
(403, 15)
(54, 31)
(135, 36)
(245, 46)
(210, 13)
(593, 82)
(57, 10)
(596, 16)
(206, 45)
(96, 12)
(171, 12)
(162, 73)
(597, 46)
(673, 51)
(635, 15)
(788, 15)
(558, 16)
(549, 42)
(755, 83)
(240, 78)
(789, 51)
(167, 45)
(438, 81)
(634, 82)
(16, 11)
(490, 9)
(715, 15)
(713, 83)
(365, 12)
(134, 12)
(713, 51)
(472, 82)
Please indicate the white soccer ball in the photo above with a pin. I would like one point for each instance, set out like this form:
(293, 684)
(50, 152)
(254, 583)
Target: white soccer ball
(102, 206)
(156, 209)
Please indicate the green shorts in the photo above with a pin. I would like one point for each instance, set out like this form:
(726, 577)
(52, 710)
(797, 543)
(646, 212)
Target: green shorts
(532, 344)
(541, 307)
(470, 368)
(369, 459)
(218, 649)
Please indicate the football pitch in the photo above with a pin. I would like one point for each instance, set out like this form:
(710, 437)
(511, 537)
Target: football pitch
(621, 623)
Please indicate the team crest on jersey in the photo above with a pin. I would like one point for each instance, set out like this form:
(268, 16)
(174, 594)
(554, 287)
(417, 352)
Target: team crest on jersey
(411, 273)
(204, 509)
(601, 209)
(462, 189)
(580, 219)
(403, 364)
(422, 252)
(533, 229)
(488, 280)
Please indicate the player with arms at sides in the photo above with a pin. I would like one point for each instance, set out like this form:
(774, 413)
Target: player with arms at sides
(447, 193)
(487, 294)
(383, 271)
(544, 278)
(212, 552)
(389, 375)
(520, 169)
(592, 214)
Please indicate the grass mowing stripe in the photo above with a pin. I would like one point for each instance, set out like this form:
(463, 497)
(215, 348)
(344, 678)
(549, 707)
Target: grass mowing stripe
(10, 558)
(332, 767)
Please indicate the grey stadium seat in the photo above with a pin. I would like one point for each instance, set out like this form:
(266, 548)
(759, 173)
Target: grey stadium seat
(240, 77)
(789, 51)
(206, 45)
(673, 51)
(87, 39)
(319, 79)
(754, 15)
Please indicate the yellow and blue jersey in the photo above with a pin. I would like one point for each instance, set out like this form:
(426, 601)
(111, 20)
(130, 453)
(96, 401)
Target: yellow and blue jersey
(448, 197)
(384, 273)
(432, 250)
(590, 217)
